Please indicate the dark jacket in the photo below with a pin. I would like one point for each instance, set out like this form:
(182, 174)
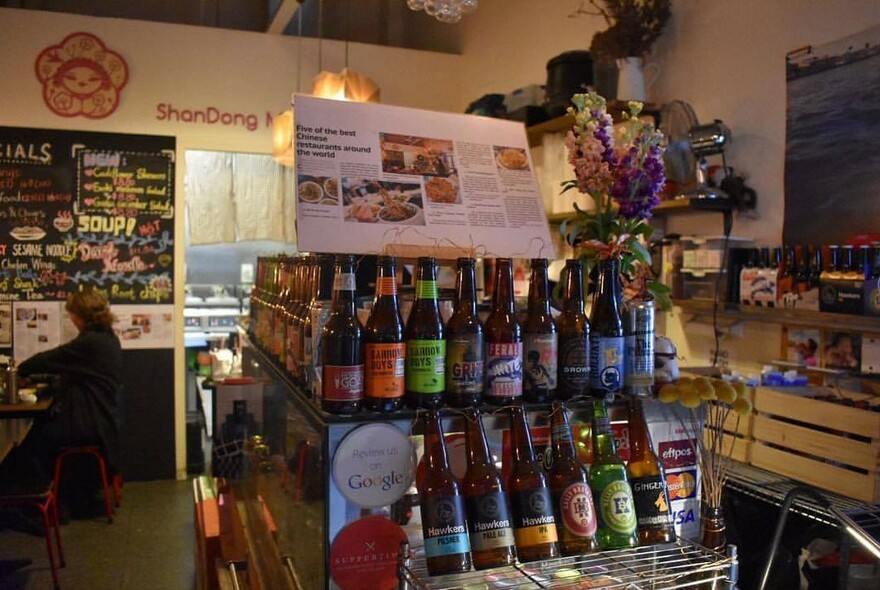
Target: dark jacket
(86, 408)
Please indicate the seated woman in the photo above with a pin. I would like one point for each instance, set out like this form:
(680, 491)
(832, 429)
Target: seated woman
(86, 406)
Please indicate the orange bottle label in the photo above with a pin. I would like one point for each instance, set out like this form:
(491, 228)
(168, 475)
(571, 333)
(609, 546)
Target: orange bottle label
(384, 370)
(386, 286)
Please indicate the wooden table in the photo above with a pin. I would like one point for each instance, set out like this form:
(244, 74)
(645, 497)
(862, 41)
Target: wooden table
(24, 409)
(12, 432)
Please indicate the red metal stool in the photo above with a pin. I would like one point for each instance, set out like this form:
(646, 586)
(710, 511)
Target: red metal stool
(18, 494)
(94, 451)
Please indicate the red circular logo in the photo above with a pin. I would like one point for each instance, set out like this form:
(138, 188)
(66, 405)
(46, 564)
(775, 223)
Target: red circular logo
(81, 77)
(364, 554)
(578, 514)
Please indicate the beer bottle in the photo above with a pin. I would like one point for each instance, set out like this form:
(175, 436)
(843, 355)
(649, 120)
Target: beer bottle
(534, 526)
(256, 296)
(293, 335)
(835, 265)
(540, 339)
(492, 542)
(606, 338)
(574, 334)
(425, 346)
(342, 346)
(304, 356)
(444, 524)
(464, 342)
(569, 484)
(612, 495)
(383, 344)
(818, 270)
(653, 514)
(279, 316)
(318, 314)
(504, 345)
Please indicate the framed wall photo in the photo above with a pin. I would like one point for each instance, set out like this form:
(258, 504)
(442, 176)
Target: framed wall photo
(842, 350)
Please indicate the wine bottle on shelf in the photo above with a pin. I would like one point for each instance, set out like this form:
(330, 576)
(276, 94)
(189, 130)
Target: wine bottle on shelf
(342, 346)
(425, 343)
(504, 341)
(464, 342)
(489, 521)
(606, 333)
(540, 338)
(570, 487)
(534, 525)
(444, 524)
(574, 335)
(648, 482)
(612, 494)
(316, 318)
(384, 348)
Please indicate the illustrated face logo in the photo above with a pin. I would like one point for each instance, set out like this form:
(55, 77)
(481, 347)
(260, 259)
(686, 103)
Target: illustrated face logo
(445, 511)
(489, 507)
(81, 77)
(537, 503)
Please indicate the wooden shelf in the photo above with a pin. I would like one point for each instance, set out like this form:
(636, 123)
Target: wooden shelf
(667, 207)
(785, 317)
(564, 123)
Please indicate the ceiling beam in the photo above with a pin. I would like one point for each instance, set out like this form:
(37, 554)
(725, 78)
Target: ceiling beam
(285, 13)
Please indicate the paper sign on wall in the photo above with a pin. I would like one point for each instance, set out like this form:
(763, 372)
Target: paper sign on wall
(377, 178)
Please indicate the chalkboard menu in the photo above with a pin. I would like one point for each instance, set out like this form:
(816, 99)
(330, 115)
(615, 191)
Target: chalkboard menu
(83, 208)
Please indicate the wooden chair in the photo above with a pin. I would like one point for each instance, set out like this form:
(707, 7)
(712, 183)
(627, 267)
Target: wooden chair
(18, 494)
(94, 451)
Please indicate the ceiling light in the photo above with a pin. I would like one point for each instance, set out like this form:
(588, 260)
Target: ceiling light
(446, 11)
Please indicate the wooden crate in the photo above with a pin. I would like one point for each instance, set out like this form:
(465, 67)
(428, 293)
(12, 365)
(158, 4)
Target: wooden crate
(738, 432)
(825, 444)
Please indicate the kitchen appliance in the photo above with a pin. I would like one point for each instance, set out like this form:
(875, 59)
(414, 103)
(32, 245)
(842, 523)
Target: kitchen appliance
(689, 144)
(567, 74)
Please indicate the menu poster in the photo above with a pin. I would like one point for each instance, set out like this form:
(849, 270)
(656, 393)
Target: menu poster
(37, 326)
(377, 178)
(82, 208)
(144, 326)
(5, 324)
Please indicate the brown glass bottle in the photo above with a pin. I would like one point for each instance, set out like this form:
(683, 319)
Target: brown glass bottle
(287, 272)
(540, 338)
(301, 316)
(606, 333)
(574, 335)
(648, 482)
(570, 487)
(425, 343)
(384, 349)
(534, 526)
(491, 532)
(293, 336)
(464, 342)
(342, 350)
(315, 318)
(504, 342)
(444, 524)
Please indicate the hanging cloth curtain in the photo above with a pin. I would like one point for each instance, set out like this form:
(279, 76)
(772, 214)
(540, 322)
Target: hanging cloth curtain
(258, 193)
(209, 202)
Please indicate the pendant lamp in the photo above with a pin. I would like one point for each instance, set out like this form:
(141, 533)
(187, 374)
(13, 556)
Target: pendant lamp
(347, 84)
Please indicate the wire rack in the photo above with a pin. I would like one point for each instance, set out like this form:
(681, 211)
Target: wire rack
(865, 525)
(772, 488)
(675, 565)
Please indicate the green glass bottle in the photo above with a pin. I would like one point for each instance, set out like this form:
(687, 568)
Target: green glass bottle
(612, 494)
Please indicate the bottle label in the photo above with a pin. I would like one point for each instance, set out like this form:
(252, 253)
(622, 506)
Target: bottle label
(489, 521)
(640, 359)
(343, 383)
(504, 374)
(444, 526)
(574, 363)
(539, 354)
(425, 366)
(651, 501)
(386, 286)
(616, 510)
(533, 521)
(464, 364)
(320, 315)
(384, 371)
(426, 289)
(343, 281)
(576, 508)
(606, 360)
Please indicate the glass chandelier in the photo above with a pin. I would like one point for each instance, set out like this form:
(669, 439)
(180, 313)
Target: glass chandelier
(446, 11)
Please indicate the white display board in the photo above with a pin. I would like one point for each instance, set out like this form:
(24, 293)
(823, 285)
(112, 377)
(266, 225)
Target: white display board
(377, 179)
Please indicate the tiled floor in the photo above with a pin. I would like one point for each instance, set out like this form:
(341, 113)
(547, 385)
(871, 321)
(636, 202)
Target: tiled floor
(148, 546)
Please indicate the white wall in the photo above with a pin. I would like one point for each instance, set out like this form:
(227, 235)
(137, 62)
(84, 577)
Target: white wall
(195, 68)
(726, 58)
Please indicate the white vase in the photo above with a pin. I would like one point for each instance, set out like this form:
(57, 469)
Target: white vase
(631, 83)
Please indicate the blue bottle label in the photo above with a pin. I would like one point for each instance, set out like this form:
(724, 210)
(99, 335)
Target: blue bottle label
(606, 362)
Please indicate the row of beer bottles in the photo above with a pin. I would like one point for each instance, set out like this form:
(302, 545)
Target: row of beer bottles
(570, 510)
(465, 361)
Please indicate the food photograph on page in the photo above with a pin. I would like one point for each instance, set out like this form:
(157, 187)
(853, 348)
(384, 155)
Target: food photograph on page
(369, 200)
(418, 156)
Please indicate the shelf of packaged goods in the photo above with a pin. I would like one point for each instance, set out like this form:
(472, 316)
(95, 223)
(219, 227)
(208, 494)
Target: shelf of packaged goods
(785, 317)
(674, 565)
